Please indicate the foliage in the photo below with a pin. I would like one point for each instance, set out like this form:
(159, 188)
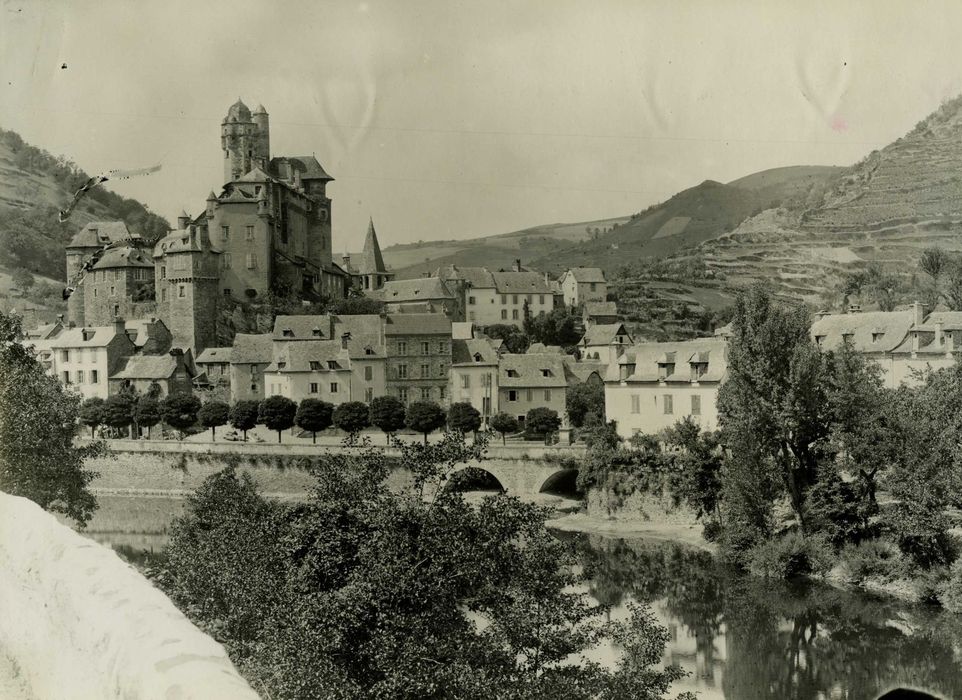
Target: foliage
(504, 424)
(118, 410)
(950, 595)
(277, 413)
(352, 417)
(542, 421)
(23, 280)
(791, 555)
(213, 414)
(921, 531)
(557, 327)
(243, 415)
(464, 417)
(314, 415)
(147, 411)
(387, 413)
(585, 404)
(353, 306)
(514, 339)
(697, 463)
(872, 559)
(92, 413)
(38, 424)
(424, 417)
(364, 593)
(840, 510)
(179, 411)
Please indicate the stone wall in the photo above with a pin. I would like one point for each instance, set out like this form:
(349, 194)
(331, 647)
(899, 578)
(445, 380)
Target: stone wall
(80, 623)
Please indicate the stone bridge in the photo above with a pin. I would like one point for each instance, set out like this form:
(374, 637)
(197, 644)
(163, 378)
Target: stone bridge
(526, 479)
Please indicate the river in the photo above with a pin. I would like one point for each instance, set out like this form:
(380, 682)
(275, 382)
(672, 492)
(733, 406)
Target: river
(739, 637)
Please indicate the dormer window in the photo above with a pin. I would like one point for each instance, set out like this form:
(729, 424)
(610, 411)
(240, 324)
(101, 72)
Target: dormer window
(698, 370)
(287, 333)
(281, 365)
(477, 357)
(877, 336)
(819, 340)
(847, 336)
(315, 366)
(332, 364)
(546, 373)
(512, 373)
(368, 350)
(626, 370)
(316, 332)
(665, 370)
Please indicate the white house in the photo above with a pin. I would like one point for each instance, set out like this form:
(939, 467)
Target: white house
(605, 342)
(474, 375)
(84, 358)
(583, 284)
(490, 298)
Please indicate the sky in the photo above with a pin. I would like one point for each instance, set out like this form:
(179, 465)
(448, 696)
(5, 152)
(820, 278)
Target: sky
(445, 119)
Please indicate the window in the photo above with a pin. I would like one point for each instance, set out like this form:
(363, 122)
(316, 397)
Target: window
(594, 286)
(313, 387)
(696, 405)
(163, 272)
(227, 261)
(368, 395)
(425, 348)
(163, 294)
(65, 355)
(425, 370)
(667, 404)
(227, 293)
(528, 395)
(471, 316)
(315, 366)
(486, 405)
(546, 373)
(181, 291)
(402, 371)
(465, 381)
(402, 348)
(635, 403)
(116, 310)
(113, 291)
(541, 299)
(514, 298)
(402, 394)
(512, 395)
(66, 377)
(368, 373)
(251, 261)
(95, 292)
(504, 314)
(225, 232)
(512, 373)
(80, 376)
(250, 233)
(514, 314)
(529, 298)
(504, 299)
(442, 347)
(441, 390)
(425, 393)
(876, 337)
(547, 394)
(471, 300)
(819, 339)
(333, 387)
(94, 376)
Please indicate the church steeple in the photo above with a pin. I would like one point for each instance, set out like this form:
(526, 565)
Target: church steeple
(372, 251)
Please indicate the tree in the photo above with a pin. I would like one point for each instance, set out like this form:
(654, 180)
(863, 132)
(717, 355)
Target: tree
(504, 424)
(23, 280)
(314, 415)
(952, 294)
(557, 327)
(463, 417)
(39, 459)
(385, 586)
(147, 411)
(179, 411)
(585, 404)
(277, 413)
(355, 306)
(387, 413)
(213, 414)
(514, 339)
(933, 262)
(424, 417)
(697, 459)
(352, 417)
(92, 413)
(542, 421)
(118, 411)
(243, 415)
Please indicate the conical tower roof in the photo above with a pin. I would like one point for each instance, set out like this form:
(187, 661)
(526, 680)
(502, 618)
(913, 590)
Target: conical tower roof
(371, 259)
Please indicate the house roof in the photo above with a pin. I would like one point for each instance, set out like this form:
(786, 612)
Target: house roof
(475, 277)
(100, 233)
(306, 327)
(869, 331)
(45, 331)
(530, 371)
(581, 371)
(420, 289)
(125, 256)
(468, 352)
(537, 348)
(306, 166)
(417, 324)
(144, 330)
(649, 360)
(252, 348)
(214, 356)
(180, 241)
(462, 330)
(297, 357)
(255, 174)
(520, 283)
(365, 332)
(147, 367)
(97, 337)
(238, 112)
(604, 334)
(601, 308)
(587, 274)
(950, 320)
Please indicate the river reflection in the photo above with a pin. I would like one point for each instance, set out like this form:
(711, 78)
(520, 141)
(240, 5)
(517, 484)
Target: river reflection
(743, 638)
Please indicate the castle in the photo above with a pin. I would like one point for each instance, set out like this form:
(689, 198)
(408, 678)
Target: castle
(269, 229)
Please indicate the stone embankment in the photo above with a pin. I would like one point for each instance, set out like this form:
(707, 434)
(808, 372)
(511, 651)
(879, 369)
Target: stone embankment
(80, 623)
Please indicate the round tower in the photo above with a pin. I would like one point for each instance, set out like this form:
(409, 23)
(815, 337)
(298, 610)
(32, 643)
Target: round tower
(262, 137)
(237, 139)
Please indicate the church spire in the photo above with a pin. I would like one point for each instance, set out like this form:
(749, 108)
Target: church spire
(372, 251)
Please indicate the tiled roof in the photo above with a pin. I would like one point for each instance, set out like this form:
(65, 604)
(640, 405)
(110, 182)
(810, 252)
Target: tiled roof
(252, 349)
(99, 233)
(520, 283)
(45, 331)
(97, 337)
(647, 356)
(476, 277)
(467, 352)
(601, 308)
(307, 327)
(365, 331)
(537, 348)
(950, 320)
(587, 274)
(581, 371)
(254, 175)
(869, 331)
(297, 357)
(604, 334)
(125, 256)
(147, 367)
(528, 371)
(214, 355)
(180, 241)
(306, 166)
(420, 289)
(418, 324)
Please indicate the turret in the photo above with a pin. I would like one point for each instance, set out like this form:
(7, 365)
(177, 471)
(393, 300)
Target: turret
(183, 220)
(211, 205)
(262, 141)
(237, 139)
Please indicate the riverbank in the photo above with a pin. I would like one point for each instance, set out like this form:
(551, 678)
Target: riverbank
(681, 533)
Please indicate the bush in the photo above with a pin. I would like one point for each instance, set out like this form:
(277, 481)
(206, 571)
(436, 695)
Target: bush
(791, 555)
(352, 417)
(872, 559)
(387, 413)
(711, 530)
(179, 411)
(922, 533)
(425, 417)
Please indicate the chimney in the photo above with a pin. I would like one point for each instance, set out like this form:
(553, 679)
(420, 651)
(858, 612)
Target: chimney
(938, 333)
(517, 264)
(345, 338)
(120, 327)
(919, 313)
(346, 259)
(60, 319)
(915, 343)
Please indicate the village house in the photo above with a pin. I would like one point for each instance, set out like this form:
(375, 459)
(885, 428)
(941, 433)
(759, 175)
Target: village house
(652, 386)
(605, 342)
(85, 358)
(583, 284)
(599, 312)
(250, 356)
(420, 295)
(474, 375)
(532, 381)
(214, 364)
(418, 356)
(157, 375)
(362, 335)
(312, 369)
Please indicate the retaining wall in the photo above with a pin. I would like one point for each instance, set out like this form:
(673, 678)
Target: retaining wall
(80, 623)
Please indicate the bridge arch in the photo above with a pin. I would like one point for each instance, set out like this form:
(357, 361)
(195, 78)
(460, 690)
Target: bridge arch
(472, 477)
(561, 482)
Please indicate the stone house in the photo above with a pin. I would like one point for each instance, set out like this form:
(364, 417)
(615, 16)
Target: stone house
(599, 312)
(418, 356)
(166, 374)
(85, 358)
(605, 343)
(250, 356)
(583, 284)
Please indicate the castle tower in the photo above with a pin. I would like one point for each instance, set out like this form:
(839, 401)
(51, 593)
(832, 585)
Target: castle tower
(262, 141)
(237, 137)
